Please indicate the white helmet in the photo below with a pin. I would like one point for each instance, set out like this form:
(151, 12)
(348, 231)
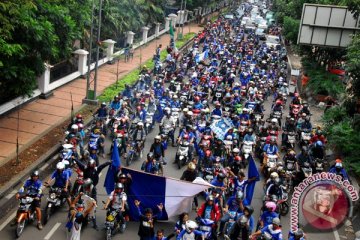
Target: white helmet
(74, 127)
(189, 113)
(140, 124)
(185, 110)
(274, 175)
(60, 166)
(229, 137)
(274, 120)
(157, 137)
(190, 226)
(236, 150)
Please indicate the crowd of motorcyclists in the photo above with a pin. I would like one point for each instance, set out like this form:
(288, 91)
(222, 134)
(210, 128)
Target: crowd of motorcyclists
(238, 74)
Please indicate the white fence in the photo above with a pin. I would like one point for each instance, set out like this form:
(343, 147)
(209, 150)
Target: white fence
(45, 87)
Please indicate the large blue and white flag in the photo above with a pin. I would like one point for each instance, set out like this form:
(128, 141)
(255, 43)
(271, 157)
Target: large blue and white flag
(221, 127)
(151, 190)
(254, 175)
(109, 182)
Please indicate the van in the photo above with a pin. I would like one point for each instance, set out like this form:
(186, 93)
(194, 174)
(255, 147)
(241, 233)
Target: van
(272, 41)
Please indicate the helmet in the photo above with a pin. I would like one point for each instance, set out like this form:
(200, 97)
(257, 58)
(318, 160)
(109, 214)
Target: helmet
(74, 127)
(119, 186)
(157, 137)
(150, 155)
(292, 153)
(103, 104)
(81, 126)
(243, 220)
(276, 221)
(236, 150)
(210, 198)
(237, 158)
(190, 226)
(189, 113)
(245, 110)
(79, 116)
(191, 166)
(197, 98)
(229, 137)
(250, 209)
(299, 233)
(220, 176)
(274, 120)
(140, 124)
(250, 130)
(60, 166)
(274, 175)
(185, 110)
(186, 136)
(277, 181)
(239, 195)
(278, 102)
(87, 182)
(92, 162)
(35, 173)
(271, 206)
(207, 153)
(318, 143)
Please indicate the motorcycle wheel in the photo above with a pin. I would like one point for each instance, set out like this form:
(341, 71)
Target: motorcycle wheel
(129, 159)
(108, 234)
(178, 161)
(284, 209)
(20, 228)
(47, 214)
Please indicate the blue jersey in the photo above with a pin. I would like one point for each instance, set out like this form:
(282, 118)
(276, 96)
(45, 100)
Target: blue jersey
(272, 150)
(275, 233)
(267, 217)
(60, 178)
(32, 187)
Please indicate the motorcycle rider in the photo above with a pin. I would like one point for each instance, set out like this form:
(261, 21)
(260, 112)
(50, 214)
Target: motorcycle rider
(240, 230)
(268, 215)
(117, 201)
(233, 204)
(270, 149)
(139, 136)
(273, 229)
(317, 150)
(305, 108)
(158, 149)
(338, 169)
(32, 187)
(101, 112)
(210, 210)
(275, 189)
(168, 121)
(190, 232)
(217, 110)
(92, 172)
(289, 126)
(149, 165)
(297, 235)
(62, 180)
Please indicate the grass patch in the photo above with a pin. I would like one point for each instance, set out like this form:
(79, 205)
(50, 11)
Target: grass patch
(133, 76)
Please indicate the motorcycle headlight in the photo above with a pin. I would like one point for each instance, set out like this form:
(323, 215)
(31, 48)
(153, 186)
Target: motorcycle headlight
(110, 218)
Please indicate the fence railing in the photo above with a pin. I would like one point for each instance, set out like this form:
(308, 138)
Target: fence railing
(64, 72)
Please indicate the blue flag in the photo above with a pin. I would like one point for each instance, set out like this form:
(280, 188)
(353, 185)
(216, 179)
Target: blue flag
(151, 190)
(221, 127)
(252, 173)
(109, 182)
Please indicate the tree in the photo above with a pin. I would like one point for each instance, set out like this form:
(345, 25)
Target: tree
(32, 32)
(291, 28)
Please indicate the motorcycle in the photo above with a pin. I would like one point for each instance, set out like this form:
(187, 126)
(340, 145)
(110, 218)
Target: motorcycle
(79, 181)
(228, 225)
(26, 214)
(283, 206)
(182, 154)
(306, 169)
(133, 152)
(247, 149)
(149, 122)
(205, 226)
(318, 165)
(305, 137)
(54, 201)
(175, 115)
(111, 225)
(290, 142)
(271, 164)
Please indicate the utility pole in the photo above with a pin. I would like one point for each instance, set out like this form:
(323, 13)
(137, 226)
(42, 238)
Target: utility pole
(90, 53)
(97, 48)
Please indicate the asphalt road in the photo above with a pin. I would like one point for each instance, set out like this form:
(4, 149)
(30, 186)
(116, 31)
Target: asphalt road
(55, 229)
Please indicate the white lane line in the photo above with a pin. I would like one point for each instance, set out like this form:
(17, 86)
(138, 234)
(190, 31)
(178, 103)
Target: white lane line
(52, 231)
(44, 167)
(336, 235)
(11, 194)
(7, 221)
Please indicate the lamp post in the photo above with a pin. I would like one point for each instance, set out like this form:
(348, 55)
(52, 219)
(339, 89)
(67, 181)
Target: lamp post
(97, 48)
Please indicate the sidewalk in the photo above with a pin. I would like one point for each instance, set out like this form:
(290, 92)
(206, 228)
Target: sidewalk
(41, 115)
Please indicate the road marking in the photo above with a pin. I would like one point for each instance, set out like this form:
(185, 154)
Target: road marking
(7, 221)
(336, 235)
(44, 167)
(11, 194)
(52, 231)
(100, 174)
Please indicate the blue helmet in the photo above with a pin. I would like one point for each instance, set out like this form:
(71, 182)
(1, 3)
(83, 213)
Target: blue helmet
(318, 143)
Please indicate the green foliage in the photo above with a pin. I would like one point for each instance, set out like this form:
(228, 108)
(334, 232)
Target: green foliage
(133, 76)
(32, 32)
(321, 81)
(343, 136)
(291, 28)
(353, 64)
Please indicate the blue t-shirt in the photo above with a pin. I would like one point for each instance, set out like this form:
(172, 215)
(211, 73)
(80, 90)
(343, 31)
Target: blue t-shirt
(217, 183)
(267, 217)
(270, 149)
(233, 205)
(207, 212)
(60, 179)
(276, 234)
